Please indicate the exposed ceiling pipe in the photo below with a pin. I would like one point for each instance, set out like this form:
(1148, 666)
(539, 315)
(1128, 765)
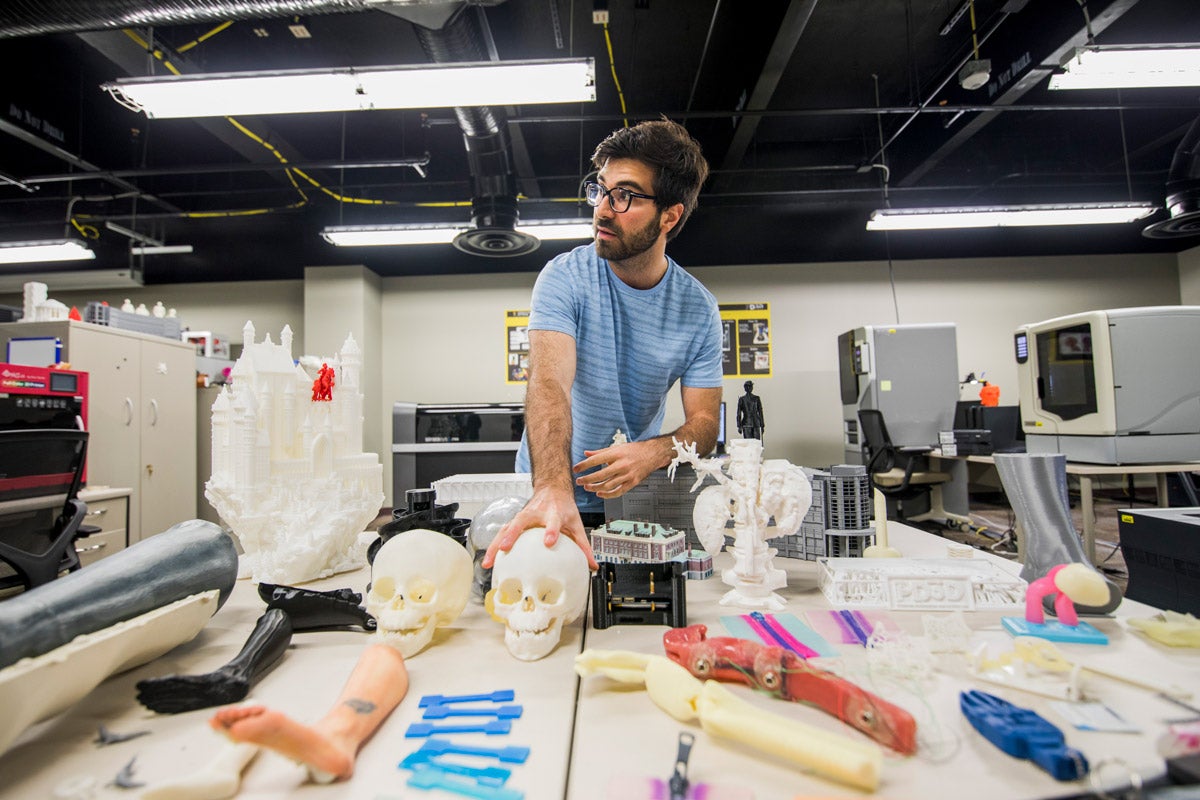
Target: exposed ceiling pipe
(34, 17)
(489, 154)
(1183, 191)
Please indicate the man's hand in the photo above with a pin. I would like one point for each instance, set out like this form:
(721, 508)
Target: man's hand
(552, 509)
(622, 466)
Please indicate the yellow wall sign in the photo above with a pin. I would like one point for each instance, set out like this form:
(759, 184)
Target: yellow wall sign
(746, 339)
(516, 335)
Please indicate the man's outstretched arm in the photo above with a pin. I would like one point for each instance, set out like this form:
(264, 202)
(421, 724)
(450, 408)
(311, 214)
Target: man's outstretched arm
(548, 430)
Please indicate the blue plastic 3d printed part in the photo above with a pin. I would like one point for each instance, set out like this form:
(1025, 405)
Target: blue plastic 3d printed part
(498, 696)
(1021, 733)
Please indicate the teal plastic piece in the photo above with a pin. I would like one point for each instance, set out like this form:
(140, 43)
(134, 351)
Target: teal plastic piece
(430, 777)
(510, 755)
(1055, 631)
(486, 776)
(741, 629)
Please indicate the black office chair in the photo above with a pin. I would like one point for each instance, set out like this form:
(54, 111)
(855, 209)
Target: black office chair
(894, 471)
(40, 515)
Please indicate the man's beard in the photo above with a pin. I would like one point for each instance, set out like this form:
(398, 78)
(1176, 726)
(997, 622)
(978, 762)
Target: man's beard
(628, 244)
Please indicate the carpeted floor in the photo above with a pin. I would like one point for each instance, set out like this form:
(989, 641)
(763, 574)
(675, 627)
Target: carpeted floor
(992, 513)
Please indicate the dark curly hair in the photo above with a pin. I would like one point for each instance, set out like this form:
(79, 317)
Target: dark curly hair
(679, 166)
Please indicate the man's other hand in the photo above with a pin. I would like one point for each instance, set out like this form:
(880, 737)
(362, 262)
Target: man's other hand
(621, 467)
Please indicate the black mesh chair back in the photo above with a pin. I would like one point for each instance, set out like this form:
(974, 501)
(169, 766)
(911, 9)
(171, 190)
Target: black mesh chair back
(879, 454)
(40, 515)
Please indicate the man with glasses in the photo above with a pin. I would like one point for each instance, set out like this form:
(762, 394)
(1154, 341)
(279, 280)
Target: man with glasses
(613, 326)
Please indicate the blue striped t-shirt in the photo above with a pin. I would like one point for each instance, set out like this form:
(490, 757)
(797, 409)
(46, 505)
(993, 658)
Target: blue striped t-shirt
(631, 346)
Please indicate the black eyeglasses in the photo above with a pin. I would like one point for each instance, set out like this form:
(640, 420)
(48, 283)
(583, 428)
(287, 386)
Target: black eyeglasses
(619, 197)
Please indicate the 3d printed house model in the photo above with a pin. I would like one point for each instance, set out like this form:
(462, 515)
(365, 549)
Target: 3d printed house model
(699, 565)
(658, 498)
(289, 474)
(623, 540)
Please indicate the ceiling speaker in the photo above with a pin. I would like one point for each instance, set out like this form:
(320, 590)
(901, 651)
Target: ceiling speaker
(1185, 217)
(496, 242)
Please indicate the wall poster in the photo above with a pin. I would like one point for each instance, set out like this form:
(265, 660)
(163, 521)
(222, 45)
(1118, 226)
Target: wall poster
(516, 334)
(746, 339)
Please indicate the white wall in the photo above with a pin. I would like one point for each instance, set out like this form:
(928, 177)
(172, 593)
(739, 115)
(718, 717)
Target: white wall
(1189, 277)
(442, 337)
(986, 298)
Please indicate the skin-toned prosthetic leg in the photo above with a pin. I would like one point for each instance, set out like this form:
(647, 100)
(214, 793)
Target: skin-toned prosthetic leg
(220, 779)
(328, 748)
(172, 694)
(723, 714)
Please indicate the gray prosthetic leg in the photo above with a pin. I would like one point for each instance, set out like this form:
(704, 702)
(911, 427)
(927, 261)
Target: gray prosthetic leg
(1036, 486)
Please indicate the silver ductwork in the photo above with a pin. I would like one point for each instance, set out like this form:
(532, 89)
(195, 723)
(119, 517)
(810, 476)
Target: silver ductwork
(448, 32)
(36, 17)
(493, 182)
(1183, 191)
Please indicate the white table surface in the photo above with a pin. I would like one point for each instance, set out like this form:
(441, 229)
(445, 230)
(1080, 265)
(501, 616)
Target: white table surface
(468, 657)
(620, 731)
(583, 733)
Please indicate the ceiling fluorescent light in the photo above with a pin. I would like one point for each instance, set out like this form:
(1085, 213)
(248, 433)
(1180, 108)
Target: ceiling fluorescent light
(901, 219)
(391, 235)
(504, 83)
(388, 235)
(552, 229)
(47, 250)
(160, 250)
(1130, 67)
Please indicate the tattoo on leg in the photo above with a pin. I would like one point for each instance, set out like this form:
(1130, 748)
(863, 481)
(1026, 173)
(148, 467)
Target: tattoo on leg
(360, 706)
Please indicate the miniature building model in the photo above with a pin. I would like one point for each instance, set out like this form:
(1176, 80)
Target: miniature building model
(289, 474)
(838, 523)
(659, 498)
(623, 540)
(699, 565)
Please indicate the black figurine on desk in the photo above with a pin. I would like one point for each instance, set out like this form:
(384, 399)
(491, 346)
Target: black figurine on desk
(750, 422)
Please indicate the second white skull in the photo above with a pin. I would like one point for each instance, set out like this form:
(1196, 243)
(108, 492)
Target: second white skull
(536, 590)
(420, 580)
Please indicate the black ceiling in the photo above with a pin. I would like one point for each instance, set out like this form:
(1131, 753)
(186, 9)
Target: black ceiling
(791, 102)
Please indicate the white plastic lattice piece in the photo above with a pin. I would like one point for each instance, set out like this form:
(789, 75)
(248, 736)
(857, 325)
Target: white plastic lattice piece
(474, 492)
(911, 584)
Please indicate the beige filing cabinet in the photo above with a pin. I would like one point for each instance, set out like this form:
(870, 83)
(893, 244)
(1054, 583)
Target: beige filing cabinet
(141, 416)
(108, 510)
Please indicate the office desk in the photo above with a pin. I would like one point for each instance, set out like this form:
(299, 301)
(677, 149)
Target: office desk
(585, 732)
(1087, 473)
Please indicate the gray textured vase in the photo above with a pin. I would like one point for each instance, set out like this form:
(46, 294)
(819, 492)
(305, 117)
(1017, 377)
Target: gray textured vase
(1036, 486)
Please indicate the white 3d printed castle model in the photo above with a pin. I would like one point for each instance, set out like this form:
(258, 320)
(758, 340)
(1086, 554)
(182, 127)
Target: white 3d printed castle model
(289, 474)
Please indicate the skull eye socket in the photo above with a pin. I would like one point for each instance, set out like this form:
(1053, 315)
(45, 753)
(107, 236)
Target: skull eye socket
(422, 590)
(549, 591)
(383, 588)
(509, 592)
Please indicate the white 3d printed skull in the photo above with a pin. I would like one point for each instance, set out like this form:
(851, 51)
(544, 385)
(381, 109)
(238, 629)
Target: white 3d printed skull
(420, 580)
(536, 590)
